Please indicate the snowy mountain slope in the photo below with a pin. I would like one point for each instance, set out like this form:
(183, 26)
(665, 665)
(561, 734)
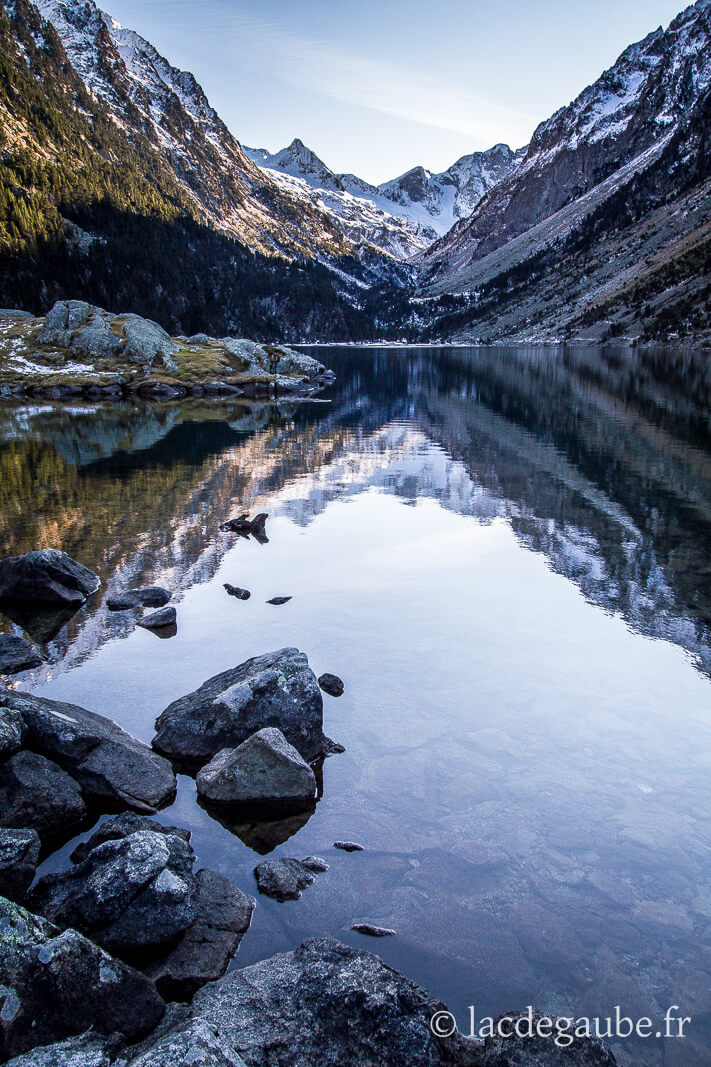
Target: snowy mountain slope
(400, 217)
(628, 259)
(150, 98)
(625, 112)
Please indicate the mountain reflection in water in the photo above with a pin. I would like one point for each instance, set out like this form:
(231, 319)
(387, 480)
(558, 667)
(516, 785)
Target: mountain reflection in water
(506, 554)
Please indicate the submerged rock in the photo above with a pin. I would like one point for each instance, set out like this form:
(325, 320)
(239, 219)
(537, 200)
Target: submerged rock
(285, 877)
(107, 762)
(131, 894)
(263, 769)
(19, 856)
(46, 577)
(207, 946)
(370, 930)
(277, 689)
(36, 793)
(17, 655)
(55, 984)
(150, 596)
(158, 620)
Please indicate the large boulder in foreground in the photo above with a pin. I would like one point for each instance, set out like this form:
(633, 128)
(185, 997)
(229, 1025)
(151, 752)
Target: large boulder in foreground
(131, 895)
(46, 577)
(278, 689)
(108, 763)
(264, 769)
(55, 984)
(325, 1005)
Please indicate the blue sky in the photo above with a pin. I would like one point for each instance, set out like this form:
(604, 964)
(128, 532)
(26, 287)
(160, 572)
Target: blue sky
(376, 87)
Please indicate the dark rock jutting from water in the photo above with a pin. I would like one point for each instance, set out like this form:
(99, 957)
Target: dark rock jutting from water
(47, 577)
(159, 620)
(284, 878)
(331, 684)
(234, 590)
(348, 846)
(265, 769)
(371, 930)
(150, 596)
(280, 600)
(244, 526)
(106, 764)
(17, 655)
(278, 689)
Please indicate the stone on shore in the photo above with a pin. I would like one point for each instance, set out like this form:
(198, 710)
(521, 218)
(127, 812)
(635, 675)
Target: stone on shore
(37, 794)
(19, 856)
(55, 984)
(46, 577)
(121, 826)
(159, 620)
(150, 596)
(17, 655)
(277, 689)
(107, 762)
(331, 684)
(328, 1005)
(284, 878)
(203, 953)
(264, 769)
(12, 731)
(130, 895)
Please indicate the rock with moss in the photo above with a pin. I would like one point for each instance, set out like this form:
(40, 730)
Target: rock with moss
(58, 983)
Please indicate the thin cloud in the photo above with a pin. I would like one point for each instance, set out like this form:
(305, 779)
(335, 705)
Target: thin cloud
(325, 67)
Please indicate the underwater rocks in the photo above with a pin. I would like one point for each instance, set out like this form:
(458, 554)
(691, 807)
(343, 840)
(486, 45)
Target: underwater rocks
(107, 763)
(46, 577)
(264, 769)
(370, 930)
(278, 689)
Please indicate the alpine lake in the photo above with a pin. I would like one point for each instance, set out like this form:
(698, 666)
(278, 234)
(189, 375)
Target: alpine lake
(506, 555)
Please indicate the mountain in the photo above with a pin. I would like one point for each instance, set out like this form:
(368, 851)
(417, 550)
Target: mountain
(120, 185)
(145, 95)
(399, 217)
(608, 205)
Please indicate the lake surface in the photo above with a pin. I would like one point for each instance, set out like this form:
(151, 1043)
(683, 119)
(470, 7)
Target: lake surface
(506, 555)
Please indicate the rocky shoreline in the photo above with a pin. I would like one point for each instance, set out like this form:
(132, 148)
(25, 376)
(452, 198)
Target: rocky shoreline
(118, 959)
(79, 351)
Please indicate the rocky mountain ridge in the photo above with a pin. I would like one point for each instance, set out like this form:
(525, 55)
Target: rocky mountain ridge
(400, 217)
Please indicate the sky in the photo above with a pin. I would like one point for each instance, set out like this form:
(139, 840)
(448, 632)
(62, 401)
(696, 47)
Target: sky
(376, 87)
